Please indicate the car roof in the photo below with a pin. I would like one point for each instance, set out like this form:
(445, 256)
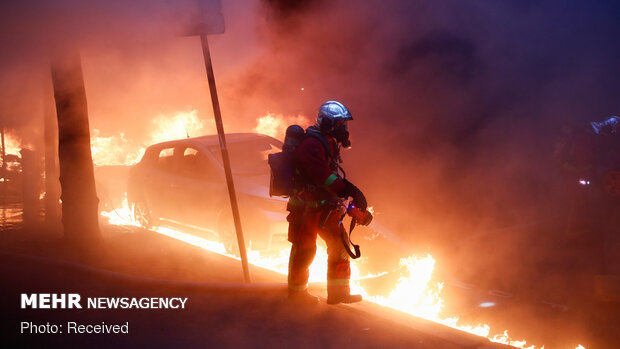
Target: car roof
(152, 151)
(211, 140)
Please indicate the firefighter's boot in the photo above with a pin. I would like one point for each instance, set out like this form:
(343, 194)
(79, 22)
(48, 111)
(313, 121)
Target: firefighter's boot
(342, 296)
(302, 297)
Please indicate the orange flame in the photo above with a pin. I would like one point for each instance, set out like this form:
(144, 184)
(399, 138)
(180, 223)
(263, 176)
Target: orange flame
(181, 125)
(113, 150)
(11, 144)
(414, 293)
(117, 150)
(275, 125)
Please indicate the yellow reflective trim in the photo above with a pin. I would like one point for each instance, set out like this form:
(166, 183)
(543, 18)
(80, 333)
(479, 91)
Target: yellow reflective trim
(330, 180)
(337, 282)
(295, 202)
(298, 287)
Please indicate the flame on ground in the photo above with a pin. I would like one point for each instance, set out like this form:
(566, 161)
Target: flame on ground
(274, 262)
(414, 293)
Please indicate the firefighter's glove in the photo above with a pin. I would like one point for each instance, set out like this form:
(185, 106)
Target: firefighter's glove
(358, 197)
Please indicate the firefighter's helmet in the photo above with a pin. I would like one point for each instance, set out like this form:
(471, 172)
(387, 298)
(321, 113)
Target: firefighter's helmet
(330, 113)
(609, 126)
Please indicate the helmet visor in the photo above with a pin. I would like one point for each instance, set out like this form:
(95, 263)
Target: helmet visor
(341, 122)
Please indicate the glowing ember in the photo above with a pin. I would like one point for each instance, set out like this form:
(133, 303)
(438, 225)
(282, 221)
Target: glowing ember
(275, 125)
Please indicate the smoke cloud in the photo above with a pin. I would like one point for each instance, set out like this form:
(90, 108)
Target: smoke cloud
(457, 104)
(457, 107)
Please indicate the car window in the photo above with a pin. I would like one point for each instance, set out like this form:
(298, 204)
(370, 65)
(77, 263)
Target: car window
(166, 159)
(190, 152)
(195, 164)
(248, 158)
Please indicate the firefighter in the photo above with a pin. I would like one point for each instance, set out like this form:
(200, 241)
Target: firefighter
(590, 160)
(314, 206)
(574, 154)
(605, 199)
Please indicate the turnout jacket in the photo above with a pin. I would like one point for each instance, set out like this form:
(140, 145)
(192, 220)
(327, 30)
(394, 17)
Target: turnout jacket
(317, 179)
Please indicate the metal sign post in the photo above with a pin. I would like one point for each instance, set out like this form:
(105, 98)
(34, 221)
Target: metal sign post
(3, 176)
(3, 152)
(225, 159)
(209, 19)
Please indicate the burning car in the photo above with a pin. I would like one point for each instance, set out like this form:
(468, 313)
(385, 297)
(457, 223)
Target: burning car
(181, 183)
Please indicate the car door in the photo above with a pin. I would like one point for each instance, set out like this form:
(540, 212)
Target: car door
(158, 178)
(200, 190)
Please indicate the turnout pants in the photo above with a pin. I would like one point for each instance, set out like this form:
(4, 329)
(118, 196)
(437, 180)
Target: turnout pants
(304, 226)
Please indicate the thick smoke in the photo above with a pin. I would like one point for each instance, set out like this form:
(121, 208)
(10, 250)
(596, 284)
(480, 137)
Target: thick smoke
(456, 104)
(139, 58)
(466, 98)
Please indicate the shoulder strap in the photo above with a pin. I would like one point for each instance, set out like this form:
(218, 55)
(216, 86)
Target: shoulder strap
(311, 132)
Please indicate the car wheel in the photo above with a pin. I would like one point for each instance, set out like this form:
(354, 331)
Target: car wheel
(142, 214)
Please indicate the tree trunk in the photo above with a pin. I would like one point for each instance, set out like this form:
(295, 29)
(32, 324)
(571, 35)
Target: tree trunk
(52, 186)
(3, 169)
(77, 179)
